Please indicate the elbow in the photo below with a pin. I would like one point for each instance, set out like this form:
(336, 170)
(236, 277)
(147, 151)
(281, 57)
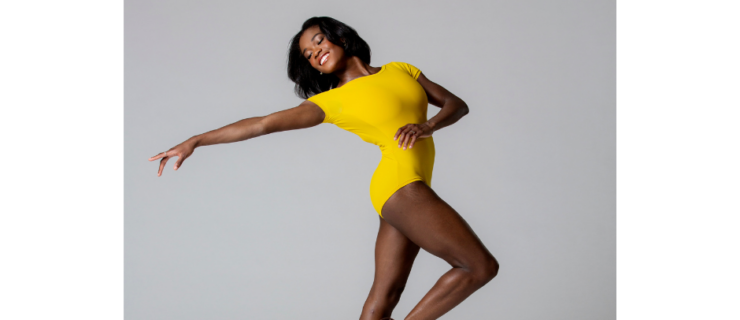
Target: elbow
(464, 108)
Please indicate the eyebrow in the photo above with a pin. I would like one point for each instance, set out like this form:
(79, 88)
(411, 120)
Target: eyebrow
(314, 36)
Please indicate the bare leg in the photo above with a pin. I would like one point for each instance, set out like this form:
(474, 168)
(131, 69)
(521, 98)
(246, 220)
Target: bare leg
(418, 213)
(394, 256)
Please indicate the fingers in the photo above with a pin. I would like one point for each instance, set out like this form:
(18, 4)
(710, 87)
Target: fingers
(161, 155)
(406, 138)
(403, 132)
(401, 136)
(161, 165)
(179, 161)
(398, 132)
(413, 139)
(181, 151)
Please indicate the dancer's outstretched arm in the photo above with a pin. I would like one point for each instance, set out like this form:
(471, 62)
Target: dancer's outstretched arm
(305, 115)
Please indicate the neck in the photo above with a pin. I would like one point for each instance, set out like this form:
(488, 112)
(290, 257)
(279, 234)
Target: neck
(353, 69)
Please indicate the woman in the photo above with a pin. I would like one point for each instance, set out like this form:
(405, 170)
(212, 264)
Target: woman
(386, 106)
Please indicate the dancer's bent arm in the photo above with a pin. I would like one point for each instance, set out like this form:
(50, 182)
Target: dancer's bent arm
(453, 108)
(305, 115)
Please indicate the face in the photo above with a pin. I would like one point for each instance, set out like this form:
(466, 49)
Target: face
(320, 52)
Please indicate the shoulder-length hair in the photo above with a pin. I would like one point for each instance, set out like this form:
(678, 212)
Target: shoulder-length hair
(308, 81)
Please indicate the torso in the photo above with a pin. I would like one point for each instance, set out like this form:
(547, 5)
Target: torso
(374, 107)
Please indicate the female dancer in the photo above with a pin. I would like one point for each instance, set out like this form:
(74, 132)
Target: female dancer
(386, 106)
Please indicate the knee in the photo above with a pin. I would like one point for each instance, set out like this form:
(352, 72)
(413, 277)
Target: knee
(382, 302)
(390, 296)
(485, 271)
(395, 293)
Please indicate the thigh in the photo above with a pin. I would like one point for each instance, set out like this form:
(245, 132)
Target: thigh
(394, 256)
(422, 216)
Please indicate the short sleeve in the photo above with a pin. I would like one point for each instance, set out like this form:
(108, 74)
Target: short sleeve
(324, 101)
(410, 69)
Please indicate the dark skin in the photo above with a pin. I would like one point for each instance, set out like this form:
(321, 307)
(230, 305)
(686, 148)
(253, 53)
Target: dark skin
(414, 217)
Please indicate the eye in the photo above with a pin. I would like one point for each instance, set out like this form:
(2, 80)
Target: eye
(309, 56)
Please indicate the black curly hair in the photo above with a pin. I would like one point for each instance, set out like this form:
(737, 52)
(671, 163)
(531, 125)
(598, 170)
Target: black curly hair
(308, 81)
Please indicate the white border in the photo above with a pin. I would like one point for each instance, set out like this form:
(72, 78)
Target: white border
(61, 118)
(677, 158)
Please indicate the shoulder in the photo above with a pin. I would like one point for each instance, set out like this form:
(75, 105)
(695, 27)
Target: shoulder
(321, 96)
(327, 101)
(410, 69)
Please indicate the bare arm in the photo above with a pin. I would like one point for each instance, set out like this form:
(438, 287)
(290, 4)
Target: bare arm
(453, 108)
(305, 115)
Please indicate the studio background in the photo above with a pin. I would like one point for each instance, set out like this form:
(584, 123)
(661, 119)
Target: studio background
(281, 226)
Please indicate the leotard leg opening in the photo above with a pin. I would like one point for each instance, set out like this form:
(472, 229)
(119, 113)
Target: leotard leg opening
(379, 208)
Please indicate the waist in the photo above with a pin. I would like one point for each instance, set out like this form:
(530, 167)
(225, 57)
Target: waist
(423, 147)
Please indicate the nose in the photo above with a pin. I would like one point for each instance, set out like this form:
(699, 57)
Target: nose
(317, 55)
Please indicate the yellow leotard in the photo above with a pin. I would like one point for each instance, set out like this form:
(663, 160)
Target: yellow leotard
(374, 107)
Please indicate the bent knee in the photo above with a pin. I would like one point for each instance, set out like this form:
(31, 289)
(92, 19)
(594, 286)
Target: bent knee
(485, 271)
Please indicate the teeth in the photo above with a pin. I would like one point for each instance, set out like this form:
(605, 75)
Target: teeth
(323, 59)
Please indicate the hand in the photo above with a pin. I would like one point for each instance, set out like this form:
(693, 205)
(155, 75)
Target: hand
(182, 151)
(408, 134)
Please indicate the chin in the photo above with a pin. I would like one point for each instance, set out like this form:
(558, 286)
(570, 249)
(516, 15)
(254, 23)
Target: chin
(329, 69)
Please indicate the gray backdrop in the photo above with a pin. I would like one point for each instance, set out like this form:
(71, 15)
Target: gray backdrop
(281, 227)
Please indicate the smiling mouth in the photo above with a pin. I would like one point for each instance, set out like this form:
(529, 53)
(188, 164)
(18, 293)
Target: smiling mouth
(323, 59)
